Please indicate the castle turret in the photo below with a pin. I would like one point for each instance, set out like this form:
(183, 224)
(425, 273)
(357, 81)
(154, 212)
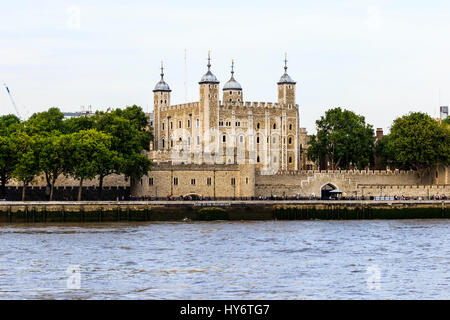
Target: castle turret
(286, 88)
(209, 103)
(232, 90)
(161, 98)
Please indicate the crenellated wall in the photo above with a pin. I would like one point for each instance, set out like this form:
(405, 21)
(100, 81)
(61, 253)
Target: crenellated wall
(353, 182)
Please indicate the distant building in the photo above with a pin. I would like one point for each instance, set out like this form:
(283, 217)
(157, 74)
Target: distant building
(443, 114)
(68, 115)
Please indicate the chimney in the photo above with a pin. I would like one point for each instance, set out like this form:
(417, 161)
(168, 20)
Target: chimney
(379, 133)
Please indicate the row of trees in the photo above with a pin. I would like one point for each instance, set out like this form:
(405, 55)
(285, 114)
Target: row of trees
(416, 141)
(81, 147)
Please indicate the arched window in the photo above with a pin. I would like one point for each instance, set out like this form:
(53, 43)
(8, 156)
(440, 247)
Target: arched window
(290, 127)
(274, 125)
(257, 159)
(290, 159)
(163, 142)
(257, 139)
(258, 125)
(224, 138)
(290, 140)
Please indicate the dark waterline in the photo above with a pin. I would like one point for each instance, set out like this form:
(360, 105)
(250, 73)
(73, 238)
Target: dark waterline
(228, 260)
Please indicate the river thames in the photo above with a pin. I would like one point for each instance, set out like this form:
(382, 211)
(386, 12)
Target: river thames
(360, 259)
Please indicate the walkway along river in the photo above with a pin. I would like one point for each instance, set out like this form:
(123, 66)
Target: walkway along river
(11, 212)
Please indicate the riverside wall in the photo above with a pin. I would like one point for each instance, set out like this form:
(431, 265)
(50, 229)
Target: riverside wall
(57, 212)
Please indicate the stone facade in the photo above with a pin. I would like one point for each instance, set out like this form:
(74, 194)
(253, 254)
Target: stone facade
(227, 131)
(213, 181)
(231, 148)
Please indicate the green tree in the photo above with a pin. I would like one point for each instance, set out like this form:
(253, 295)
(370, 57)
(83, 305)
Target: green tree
(46, 123)
(418, 141)
(89, 151)
(446, 121)
(8, 160)
(77, 124)
(130, 139)
(9, 124)
(27, 166)
(343, 138)
(54, 153)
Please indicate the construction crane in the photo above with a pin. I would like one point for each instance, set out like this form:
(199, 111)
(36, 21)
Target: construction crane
(12, 100)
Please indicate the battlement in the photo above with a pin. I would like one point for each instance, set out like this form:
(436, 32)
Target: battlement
(351, 172)
(227, 104)
(164, 166)
(250, 104)
(182, 106)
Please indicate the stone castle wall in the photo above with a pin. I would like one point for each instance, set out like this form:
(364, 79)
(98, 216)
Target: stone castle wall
(112, 180)
(356, 183)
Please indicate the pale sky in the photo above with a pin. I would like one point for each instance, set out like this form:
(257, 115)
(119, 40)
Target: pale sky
(380, 59)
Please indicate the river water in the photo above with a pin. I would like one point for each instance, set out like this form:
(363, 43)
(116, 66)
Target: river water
(390, 259)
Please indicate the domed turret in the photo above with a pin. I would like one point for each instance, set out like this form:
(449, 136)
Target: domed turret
(285, 78)
(232, 90)
(232, 84)
(162, 85)
(286, 88)
(208, 77)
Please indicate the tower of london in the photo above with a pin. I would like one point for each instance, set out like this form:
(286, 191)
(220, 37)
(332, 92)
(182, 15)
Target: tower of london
(223, 128)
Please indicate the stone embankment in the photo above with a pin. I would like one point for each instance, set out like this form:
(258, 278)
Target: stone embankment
(18, 212)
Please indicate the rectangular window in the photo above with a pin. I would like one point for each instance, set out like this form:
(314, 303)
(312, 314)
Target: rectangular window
(189, 124)
(193, 182)
(163, 125)
(208, 181)
(179, 124)
(150, 181)
(171, 125)
(175, 181)
(233, 181)
(246, 180)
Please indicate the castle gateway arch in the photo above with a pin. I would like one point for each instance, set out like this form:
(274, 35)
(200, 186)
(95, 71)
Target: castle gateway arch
(325, 190)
